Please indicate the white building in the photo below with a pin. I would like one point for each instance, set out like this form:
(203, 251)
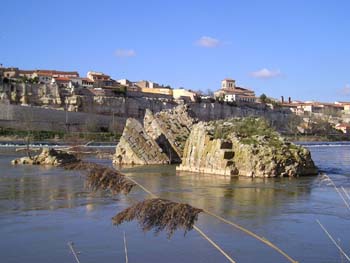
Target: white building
(184, 94)
(124, 82)
(230, 92)
(45, 78)
(98, 76)
(82, 82)
(239, 97)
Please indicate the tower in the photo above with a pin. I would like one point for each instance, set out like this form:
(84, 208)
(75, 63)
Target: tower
(228, 84)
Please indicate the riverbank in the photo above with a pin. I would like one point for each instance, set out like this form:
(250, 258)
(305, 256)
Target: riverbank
(318, 138)
(70, 138)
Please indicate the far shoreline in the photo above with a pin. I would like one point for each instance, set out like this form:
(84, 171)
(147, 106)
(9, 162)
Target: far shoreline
(88, 142)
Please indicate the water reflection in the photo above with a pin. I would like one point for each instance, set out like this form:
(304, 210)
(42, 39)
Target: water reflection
(43, 188)
(37, 188)
(243, 197)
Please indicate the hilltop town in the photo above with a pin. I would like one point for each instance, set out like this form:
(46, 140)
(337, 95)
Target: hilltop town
(108, 102)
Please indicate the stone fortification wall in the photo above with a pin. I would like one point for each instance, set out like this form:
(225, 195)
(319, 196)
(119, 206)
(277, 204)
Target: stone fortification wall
(99, 114)
(207, 111)
(99, 106)
(133, 107)
(36, 118)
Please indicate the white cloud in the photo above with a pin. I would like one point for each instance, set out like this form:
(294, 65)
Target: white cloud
(265, 73)
(346, 90)
(208, 42)
(125, 53)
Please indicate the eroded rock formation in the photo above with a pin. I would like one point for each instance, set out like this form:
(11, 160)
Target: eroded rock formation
(170, 129)
(137, 147)
(164, 134)
(48, 156)
(245, 147)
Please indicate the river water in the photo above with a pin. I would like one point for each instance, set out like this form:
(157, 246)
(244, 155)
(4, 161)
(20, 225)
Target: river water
(44, 208)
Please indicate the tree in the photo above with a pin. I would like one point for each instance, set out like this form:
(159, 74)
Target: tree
(263, 98)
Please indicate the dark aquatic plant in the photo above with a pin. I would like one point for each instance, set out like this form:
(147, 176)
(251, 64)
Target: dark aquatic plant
(100, 177)
(160, 214)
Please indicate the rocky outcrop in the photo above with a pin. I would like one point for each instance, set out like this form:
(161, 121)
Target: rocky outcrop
(170, 129)
(48, 156)
(161, 140)
(243, 147)
(137, 147)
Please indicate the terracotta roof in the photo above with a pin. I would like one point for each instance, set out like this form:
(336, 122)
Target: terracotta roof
(99, 75)
(26, 71)
(243, 89)
(57, 72)
(236, 91)
(62, 79)
(43, 74)
(291, 104)
(87, 79)
(337, 106)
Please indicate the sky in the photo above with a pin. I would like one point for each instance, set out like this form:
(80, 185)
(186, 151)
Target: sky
(298, 49)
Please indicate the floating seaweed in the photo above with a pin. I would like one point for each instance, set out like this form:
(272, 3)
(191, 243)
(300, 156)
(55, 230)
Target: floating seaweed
(160, 214)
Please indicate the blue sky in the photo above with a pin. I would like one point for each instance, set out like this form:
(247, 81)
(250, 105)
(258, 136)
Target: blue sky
(292, 48)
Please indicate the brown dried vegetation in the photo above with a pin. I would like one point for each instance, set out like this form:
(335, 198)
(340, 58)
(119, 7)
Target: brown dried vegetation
(160, 214)
(100, 177)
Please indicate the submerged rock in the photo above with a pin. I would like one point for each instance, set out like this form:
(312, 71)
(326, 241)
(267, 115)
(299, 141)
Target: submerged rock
(136, 147)
(243, 147)
(48, 156)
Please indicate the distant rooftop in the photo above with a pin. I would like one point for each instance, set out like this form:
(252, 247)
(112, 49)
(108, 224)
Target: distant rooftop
(57, 72)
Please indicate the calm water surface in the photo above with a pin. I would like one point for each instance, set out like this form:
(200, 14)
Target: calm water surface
(43, 208)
